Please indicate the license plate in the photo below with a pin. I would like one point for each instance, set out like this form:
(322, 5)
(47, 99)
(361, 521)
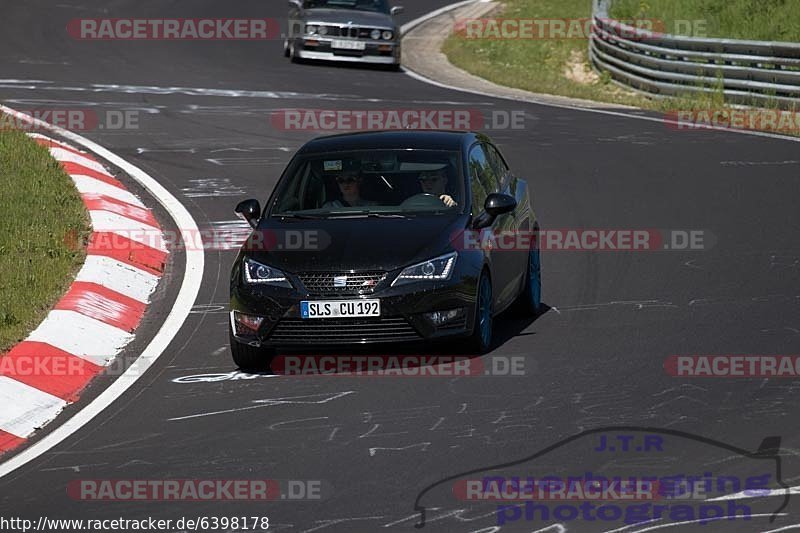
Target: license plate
(340, 309)
(348, 45)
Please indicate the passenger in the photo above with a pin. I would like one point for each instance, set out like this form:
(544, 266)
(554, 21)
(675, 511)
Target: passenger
(349, 182)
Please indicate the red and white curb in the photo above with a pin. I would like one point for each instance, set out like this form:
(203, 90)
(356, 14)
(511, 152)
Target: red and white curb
(97, 316)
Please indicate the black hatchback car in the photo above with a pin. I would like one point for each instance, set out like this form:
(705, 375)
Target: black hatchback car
(383, 237)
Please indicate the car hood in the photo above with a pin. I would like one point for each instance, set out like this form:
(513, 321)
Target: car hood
(356, 243)
(348, 16)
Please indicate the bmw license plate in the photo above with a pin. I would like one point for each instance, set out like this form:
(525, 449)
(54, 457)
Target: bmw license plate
(340, 309)
(348, 45)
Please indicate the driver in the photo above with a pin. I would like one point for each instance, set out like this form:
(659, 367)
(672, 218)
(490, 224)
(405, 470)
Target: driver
(434, 182)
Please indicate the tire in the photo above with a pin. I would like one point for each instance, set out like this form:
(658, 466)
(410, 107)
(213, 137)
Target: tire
(529, 301)
(286, 48)
(250, 358)
(293, 54)
(481, 339)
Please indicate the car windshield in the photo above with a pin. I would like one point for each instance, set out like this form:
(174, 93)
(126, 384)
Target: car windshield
(380, 6)
(371, 183)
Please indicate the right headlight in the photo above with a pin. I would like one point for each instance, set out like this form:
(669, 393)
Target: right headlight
(387, 35)
(437, 269)
(311, 29)
(375, 35)
(256, 273)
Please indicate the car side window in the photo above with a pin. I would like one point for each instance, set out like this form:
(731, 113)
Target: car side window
(480, 167)
(497, 163)
(477, 164)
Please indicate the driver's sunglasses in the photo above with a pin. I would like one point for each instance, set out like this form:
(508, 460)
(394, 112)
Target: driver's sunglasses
(346, 179)
(435, 177)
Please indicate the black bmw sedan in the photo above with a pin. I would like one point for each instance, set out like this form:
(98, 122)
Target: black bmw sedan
(384, 237)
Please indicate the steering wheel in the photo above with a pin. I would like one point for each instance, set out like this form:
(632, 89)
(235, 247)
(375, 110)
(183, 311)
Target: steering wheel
(422, 199)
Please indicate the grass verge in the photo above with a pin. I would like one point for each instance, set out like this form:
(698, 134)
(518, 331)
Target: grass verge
(549, 66)
(561, 66)
(42, 217)
(760, 20)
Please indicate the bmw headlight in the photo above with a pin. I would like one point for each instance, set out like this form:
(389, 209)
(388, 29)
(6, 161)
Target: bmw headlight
(375, 35)
(311, 29)
(257, 274)
(387, 35)
(438, 269)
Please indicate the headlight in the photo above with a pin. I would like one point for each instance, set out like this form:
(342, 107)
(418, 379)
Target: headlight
(376, 34)
(387, 35)
(256, 273)
(311, 29)
(323, 30)
(438, 269)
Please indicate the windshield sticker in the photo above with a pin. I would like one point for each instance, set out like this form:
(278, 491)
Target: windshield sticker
(333, 165)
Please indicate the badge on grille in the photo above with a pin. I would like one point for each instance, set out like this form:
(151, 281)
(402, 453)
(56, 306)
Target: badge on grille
(340, 281)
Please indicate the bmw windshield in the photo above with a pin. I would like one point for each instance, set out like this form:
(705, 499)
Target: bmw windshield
(377, 6)
(371, 182)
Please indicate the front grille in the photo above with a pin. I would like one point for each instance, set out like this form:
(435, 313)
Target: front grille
(332, 331)
(356, 284)
(347, 31)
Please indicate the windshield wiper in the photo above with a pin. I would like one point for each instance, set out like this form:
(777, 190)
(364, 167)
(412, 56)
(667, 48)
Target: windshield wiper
(300, 217)
(387, 215)
(367, 214)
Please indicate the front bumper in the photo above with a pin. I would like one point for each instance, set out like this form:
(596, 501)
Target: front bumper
(402, 318)
(371, 54)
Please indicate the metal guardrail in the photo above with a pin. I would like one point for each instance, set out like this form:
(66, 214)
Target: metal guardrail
(749, 72)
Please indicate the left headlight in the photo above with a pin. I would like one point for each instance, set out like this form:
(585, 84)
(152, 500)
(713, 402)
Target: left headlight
(257, 274)
(311, 29)
(387, 35)
(438, 269)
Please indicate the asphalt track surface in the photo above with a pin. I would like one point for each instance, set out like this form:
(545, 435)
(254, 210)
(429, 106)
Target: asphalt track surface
(594, 360)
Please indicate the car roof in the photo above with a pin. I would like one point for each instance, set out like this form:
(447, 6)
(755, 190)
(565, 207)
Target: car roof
(387, 140)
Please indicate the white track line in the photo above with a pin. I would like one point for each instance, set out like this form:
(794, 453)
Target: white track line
(192, 279)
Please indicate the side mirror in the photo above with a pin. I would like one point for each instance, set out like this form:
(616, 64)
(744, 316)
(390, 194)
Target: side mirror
(499, 204)
(494, 206)
(296, 4)
(396, 10)
(249, 211)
